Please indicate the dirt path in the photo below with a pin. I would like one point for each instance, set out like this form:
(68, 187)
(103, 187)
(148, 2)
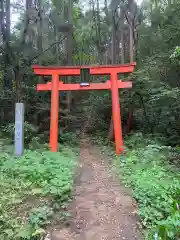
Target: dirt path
(101, 209)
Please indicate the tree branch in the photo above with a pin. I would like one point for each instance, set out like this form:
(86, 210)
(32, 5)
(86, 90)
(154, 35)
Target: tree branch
(31, 60)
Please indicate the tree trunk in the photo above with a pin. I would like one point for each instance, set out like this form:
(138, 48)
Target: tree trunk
(113, 50)
(26, 21)
(56, 45)
(98, 33)
(2, 22)
(1, 18)
(130, 118)
(7, 56)
(70, 33)
(17, 78)
(69, 49)
(131, 55)
(131, 44)
(122, 46)
(122, 34)
(113, 60)
(8, 20)
(40, 40)
(106, 10)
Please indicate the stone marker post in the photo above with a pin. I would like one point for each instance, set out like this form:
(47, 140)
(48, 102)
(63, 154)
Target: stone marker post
(19, 129)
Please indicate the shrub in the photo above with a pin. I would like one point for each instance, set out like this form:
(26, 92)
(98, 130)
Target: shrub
(155, 186)
(29, 131)
(32, 188)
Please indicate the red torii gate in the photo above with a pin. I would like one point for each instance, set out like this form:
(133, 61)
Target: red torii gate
(56, 85)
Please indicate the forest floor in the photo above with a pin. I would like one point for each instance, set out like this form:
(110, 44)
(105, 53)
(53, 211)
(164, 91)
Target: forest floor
(101, 208)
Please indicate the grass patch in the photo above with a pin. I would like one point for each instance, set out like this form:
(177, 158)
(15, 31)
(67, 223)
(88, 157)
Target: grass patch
(155, 184)
(34, 191)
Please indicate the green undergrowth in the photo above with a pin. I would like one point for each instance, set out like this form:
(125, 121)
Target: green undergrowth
(34, 191)
(155, 185)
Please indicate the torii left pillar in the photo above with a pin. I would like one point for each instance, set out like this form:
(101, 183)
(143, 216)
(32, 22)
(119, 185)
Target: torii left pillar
(54, 113)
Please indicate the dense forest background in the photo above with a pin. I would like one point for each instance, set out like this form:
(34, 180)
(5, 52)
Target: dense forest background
(100, 32)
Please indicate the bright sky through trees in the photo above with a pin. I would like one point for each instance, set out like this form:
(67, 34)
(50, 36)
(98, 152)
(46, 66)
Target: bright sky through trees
(15, 14)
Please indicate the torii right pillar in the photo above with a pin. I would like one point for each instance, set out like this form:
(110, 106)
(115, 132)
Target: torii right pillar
(116, 114)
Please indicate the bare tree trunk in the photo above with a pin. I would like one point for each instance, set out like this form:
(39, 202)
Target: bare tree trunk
(113, 60)
(106, 9)
(122, 46)
(131, 44)
(40, 40)
(69, 48)
(57, 46)
(18, 75)
(113, 50)
(18, 79)
(98, 32)
(131, 56)
(108, 23)
(7, 56)
(27, 19)
(70, 32)
(97, 23)
(2, 21)
(8, 20)
(1, 18)
(122, 34)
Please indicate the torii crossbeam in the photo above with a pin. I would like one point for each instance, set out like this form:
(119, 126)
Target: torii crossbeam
(56, 85)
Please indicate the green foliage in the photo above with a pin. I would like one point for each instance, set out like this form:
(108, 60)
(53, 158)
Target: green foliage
(176, 54)
(169, 228)
(29, 131)
(40, 216)
(155, 186)
(157, 74)
(70, 138)
(32, 188)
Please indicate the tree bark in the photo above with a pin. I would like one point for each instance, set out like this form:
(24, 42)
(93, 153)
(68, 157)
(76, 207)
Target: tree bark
(98, 32)
(132, 10)
(69, 48)
(57, 45)
(131, 44)
(26, 21)
(129, 122)
(113, 61)
(40, 40)
(18, 79)
(8, 20)
(122, 34)
(1, 18)
(2, 22)
(113, 50)
(106, 10)
(7, 56)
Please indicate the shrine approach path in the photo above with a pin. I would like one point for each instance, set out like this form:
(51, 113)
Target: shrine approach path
(101, 208)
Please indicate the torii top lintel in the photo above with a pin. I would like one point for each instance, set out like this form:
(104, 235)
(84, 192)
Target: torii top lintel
(75, 70)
